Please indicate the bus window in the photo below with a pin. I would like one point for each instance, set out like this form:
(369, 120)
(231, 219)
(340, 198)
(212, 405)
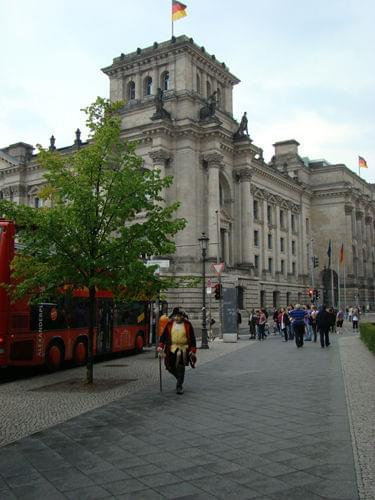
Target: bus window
(45, 317)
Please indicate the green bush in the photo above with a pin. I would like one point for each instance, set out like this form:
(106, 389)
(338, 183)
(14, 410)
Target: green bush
(367, 333)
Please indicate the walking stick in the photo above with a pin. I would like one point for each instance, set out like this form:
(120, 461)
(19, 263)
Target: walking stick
(160, 377)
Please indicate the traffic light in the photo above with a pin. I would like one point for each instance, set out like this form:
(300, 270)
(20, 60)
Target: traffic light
(310, 293)
(315, 261)
(316, 294)
(218, 287)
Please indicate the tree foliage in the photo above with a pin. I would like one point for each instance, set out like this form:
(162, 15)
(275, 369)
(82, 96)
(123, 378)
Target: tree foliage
(102, 211)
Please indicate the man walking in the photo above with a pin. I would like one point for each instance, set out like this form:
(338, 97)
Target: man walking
(298, 316)
(323, 322)
(179, 345)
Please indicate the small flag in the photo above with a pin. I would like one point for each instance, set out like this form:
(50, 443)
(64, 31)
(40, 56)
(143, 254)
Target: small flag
(329, 253)
(342, 254)
(178, 10)
(362, 162)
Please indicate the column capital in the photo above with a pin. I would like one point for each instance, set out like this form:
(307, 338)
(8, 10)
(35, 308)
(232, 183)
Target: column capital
(159, 156)
(214, 160)
(358, 214)
(348, 209)
(368, 220)
(243, 174)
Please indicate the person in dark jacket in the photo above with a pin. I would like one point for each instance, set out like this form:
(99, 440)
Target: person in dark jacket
(178, 343)
(323, 323)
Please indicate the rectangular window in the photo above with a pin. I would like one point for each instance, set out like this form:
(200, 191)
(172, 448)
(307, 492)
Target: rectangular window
(293, 222)
(282, 266)
(256, 238)
(270, 265)
(282, 245)
(269, 214)
(270, 241)
(256, 209)
(293, 268)
(282, 219)
(256, 262)
(293, 247)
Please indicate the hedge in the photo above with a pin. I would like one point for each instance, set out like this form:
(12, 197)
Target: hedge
(367, 333)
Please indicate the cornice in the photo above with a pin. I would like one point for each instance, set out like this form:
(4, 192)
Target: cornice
(264, 172)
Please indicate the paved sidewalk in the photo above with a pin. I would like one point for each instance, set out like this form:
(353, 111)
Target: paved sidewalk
(265, 421)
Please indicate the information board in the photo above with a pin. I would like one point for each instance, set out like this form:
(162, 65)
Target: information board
(229, 310)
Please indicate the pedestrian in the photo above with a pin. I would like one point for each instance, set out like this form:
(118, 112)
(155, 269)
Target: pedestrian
(284, 322)
(324, 322)
(355, 319)
(262, 319)
(298, 321)
(163, 320)
(313, 315)
(308, 324)
(178, 344)
(252, 324)
(332, 314)
(339, 320)
(350, 313)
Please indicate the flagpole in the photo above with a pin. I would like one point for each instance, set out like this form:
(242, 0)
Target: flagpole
(345, 286)
(338, 283)
(172, 18)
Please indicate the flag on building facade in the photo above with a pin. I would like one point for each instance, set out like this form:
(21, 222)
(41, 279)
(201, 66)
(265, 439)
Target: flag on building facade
(341, 254)
(362, 162)
(329, 253)
(178, 10)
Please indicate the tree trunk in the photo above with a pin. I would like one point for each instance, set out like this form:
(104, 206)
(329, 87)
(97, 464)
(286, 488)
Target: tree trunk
(90, 343)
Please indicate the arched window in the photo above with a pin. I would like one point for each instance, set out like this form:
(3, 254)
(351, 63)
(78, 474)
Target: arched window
(131, 91)
(165, 80)
(199, 88)
(147, 87)
(208, 88)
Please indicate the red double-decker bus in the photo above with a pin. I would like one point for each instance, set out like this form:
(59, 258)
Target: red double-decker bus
(53, 332)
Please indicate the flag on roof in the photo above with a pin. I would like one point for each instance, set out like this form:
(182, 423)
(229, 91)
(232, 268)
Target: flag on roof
(362, 162)
(329, 253)
(178, 10)
(342, 254)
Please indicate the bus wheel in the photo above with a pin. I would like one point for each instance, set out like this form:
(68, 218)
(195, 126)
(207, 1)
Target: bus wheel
(80, 353)
(54, 357)
(139, 343)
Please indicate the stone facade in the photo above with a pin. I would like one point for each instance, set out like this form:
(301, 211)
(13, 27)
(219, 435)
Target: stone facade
(264, 220)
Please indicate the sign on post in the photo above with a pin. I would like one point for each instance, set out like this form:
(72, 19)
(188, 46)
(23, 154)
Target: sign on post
(219, 268)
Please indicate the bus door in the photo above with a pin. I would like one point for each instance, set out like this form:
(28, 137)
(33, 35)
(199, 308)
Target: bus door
(105, 326)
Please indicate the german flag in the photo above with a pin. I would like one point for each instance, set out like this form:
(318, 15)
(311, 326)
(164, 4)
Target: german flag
(362, 162)
(178, 10)
(342, 254)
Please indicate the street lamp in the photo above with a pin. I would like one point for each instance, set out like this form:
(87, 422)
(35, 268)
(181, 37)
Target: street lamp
(203, 242)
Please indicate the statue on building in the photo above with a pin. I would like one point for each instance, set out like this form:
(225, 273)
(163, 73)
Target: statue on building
(160, 112)
(208, 111)
(242, 130)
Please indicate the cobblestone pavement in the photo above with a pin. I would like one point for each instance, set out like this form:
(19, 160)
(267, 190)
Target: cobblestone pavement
(33, 404)
(260, 420)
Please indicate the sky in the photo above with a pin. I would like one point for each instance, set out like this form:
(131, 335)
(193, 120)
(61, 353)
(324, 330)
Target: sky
(306, 68)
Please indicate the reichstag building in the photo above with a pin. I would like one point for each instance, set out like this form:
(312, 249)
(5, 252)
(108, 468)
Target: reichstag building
(266, 221)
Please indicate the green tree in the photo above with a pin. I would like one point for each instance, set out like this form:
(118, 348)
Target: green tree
(102, 212)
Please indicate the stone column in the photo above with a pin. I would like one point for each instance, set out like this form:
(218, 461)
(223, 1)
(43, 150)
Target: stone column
(348, 237)
(265, 236)
(368, 222)
(289, 238)
(276, 243)
(138, 86)
(359, 216)
(246, 214)
(159, 158)
(214, 163)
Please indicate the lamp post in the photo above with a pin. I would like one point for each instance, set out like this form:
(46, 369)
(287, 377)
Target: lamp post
(203, 242)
